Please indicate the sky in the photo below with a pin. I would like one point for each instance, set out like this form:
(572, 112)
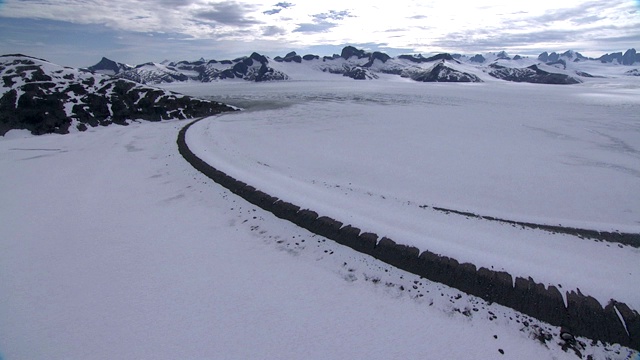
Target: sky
(81, 32)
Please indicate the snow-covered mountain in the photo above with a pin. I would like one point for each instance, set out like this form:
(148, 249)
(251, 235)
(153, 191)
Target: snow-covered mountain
(569, 67)
(42, 97)
(252, 68)
(109, 67)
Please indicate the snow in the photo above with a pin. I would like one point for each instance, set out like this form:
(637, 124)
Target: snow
(380, 152)
(118, 248)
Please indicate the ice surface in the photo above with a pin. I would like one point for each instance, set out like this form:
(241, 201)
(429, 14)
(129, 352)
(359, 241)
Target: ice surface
(113, 246)
(373, 155)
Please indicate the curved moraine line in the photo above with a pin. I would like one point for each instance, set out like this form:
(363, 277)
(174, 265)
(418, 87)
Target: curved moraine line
(614, 237)
(615, 323)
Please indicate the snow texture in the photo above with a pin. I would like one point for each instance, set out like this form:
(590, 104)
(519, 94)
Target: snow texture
(115, 247)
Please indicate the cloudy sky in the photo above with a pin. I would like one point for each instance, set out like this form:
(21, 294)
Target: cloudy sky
(80, 32)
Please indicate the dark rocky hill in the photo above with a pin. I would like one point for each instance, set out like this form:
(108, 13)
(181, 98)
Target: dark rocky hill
(46, 98)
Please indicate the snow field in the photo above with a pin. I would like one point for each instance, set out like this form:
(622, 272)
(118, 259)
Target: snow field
(374, 155)
(117, 248)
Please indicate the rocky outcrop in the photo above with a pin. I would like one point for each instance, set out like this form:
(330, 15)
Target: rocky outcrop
(629, 57)
(531, 74)
(351, 61)
(359, 73)
(53, 99)
(420, 59)
(109, 67)
(443, 73)
(252, 68)
(568, 55)
(478, 59)
(152, 73)
(350, 51)
(292, 56)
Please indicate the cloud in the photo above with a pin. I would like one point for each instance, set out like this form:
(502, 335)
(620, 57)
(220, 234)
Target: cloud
(284, 5)
(332, 15)
(273, 30)
(315, 27)
(323, 22)
(585, 26)
(175, 3)
(279, 7)
(229, 13)
(272, 11)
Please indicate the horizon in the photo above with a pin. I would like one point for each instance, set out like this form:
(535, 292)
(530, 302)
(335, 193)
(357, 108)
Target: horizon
(272, 57)
(79, 34)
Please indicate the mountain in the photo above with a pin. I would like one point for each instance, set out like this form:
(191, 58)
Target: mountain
(109, 67)
(531, 74)
(42, 97)
(443, 72)
(566, 56)
(252, 68)
(360, 64)
(629, 57)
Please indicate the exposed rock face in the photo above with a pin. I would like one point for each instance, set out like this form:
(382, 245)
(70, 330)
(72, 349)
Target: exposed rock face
(558, 63)
(361, 64)
(292, 56)
(503, 55)
(152, 73)
(531, 74)
(359, 73)
(421, 59)
(443, 73)
(109, 67)
(350, 51)
(629, 57)
(568, 55)
(478, 59)
(253, 68)
(53, 99)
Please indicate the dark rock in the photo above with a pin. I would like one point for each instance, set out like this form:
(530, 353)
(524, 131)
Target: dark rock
(109, 65)
(609, 58)
(358, 73)
(92, 100)
(558, 62)
(380, 56)
(306, 219)
(544, 57)
(531, 74)
(478, 59)
(503, 55)
(327, 227)
(310, 57)
(437, 57)
(443, 73)
(629, 57)
(350, 51)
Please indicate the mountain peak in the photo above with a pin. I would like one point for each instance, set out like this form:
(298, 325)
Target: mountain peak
(108, 66)
(350, 51)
